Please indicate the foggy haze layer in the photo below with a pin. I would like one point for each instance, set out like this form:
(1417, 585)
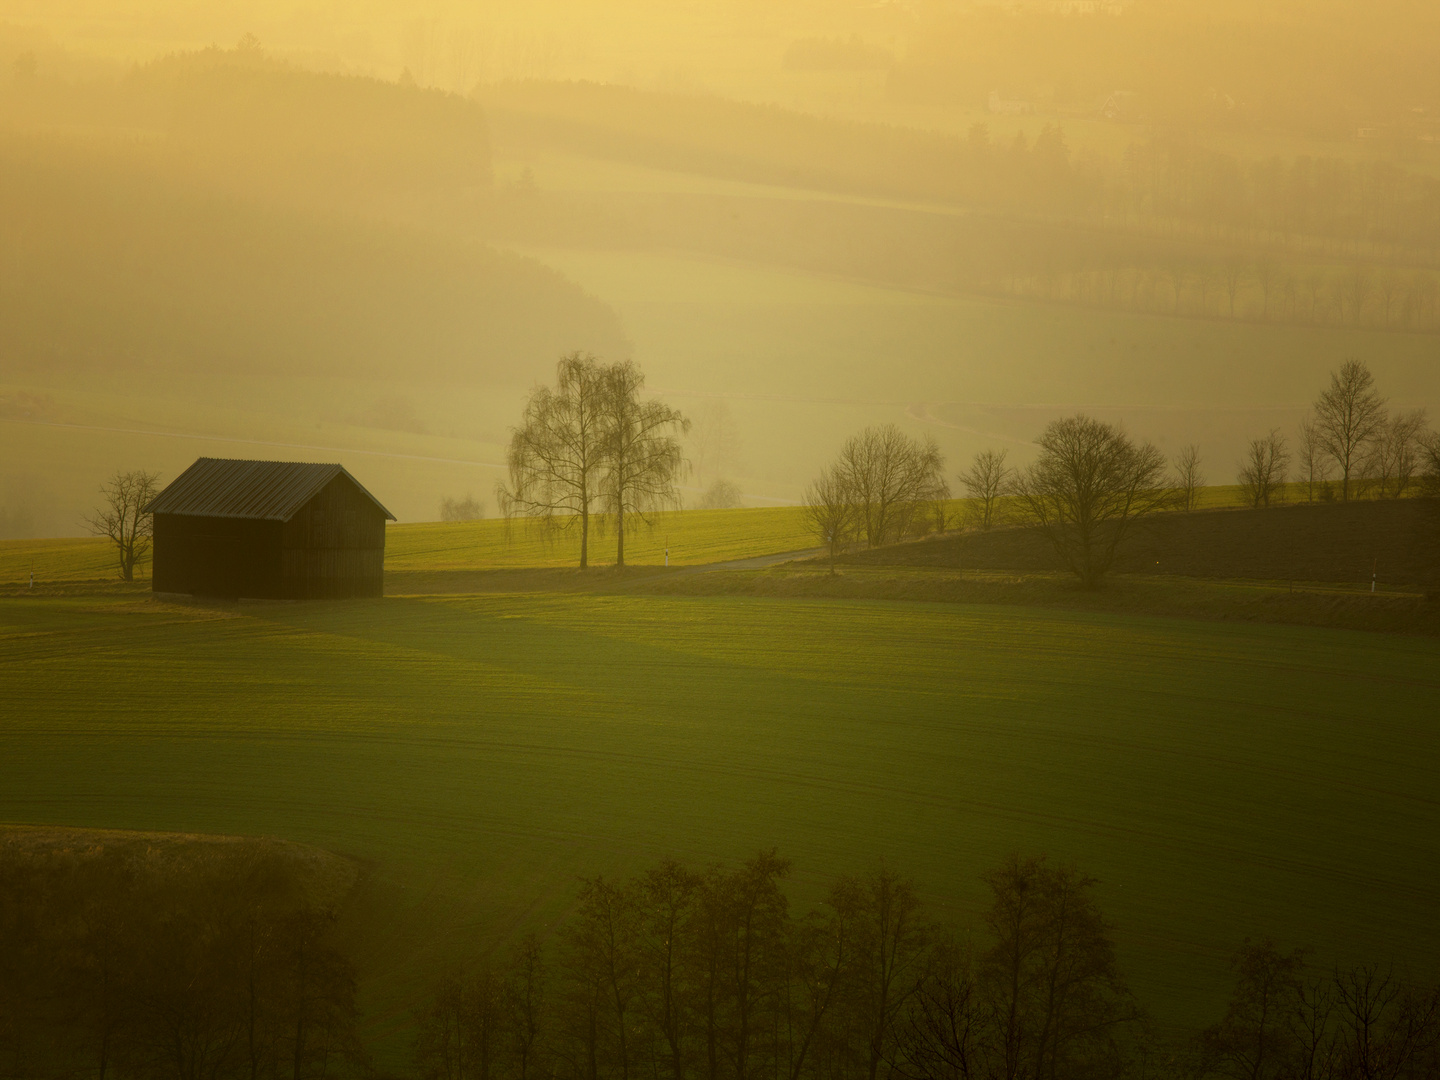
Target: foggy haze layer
(284, 230)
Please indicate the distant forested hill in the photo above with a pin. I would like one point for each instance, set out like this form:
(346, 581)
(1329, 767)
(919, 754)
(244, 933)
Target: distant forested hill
(106, 262)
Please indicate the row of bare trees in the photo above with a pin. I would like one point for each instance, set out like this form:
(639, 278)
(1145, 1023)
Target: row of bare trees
(1261, 290)
(1091, 482)
(590, 446)
(885, 486)
(1349, 446)
(680, 974)
(121, 964)
(1084, 492)
(1288, 1022)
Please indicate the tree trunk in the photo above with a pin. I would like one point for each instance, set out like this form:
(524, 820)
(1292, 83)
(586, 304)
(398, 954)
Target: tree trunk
(584, 537)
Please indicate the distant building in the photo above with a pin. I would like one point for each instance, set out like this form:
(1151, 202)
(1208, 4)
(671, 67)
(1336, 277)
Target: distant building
(1122, 105)
(268, 530)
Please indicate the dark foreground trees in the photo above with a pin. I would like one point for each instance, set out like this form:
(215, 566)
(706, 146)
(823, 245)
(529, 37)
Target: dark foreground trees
(1288, 1022)
(593, 443)
(123, 519)
(709, 975)
(1088, 487)
(128, 962)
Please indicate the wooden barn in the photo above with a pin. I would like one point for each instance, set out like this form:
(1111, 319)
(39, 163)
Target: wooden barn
(268, 530)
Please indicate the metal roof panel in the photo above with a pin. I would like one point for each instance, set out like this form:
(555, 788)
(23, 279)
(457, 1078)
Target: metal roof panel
(257, 490)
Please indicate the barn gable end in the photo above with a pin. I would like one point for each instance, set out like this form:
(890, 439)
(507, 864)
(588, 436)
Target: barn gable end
(268, 530)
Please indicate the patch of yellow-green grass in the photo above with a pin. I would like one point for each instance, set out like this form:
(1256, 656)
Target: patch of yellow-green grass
(66, 562)
(693, 537)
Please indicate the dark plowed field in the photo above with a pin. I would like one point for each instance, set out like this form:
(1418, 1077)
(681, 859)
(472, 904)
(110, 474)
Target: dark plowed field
(1398, 541)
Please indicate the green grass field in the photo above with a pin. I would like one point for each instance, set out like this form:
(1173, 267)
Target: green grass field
(693, 537)
(478, 753)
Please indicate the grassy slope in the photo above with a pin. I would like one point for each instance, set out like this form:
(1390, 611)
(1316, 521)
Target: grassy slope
(480, 752)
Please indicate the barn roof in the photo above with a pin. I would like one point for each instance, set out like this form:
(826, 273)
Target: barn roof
(258, 490)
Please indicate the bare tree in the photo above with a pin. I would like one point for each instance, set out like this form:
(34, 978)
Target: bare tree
(557, 453)
(602, 962)
(831, 512)
(1234, 272)
(526, 1008)
(890, 942)
(1386, 1024)
(1390, 288)
(721, 495)
(1355, 292)
(643, 457)
(1262, 473)
(986, 481)
(1430, 464)
(1256, 1039)
(459, 1031)
(1311, 1023)
(1267, 274)
(668, 896)
(945, 1028)
(466, 509)
(894, 481)
(1053, 985)
(125, 518)
(1312, 460)
(1422, 297)
(1087, 489)
(1188, 478)
(1349, 416)
(1397, 453)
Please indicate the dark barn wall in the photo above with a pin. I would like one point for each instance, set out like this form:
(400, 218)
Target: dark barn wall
(334, 546)
(224, 557)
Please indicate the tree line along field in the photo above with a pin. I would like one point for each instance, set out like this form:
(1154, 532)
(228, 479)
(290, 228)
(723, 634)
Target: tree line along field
(415, 551)
(478, 753)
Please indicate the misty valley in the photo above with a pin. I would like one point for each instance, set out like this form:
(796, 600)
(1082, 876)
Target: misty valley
(729, 540)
